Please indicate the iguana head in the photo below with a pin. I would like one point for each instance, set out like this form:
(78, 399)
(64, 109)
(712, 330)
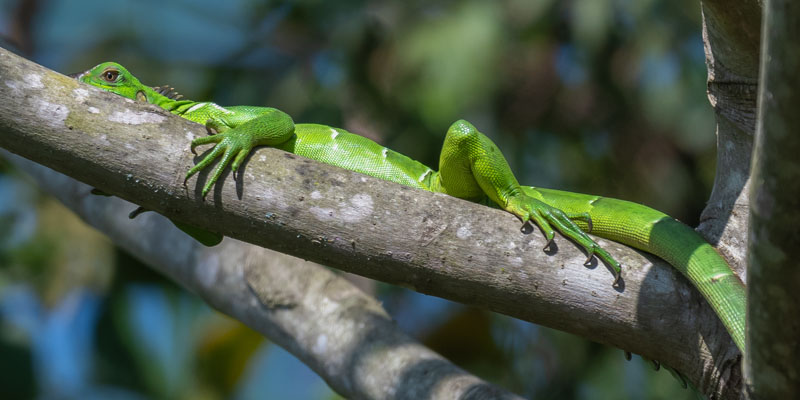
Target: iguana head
(114, 78)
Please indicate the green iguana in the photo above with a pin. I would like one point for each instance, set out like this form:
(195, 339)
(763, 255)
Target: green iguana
(470, 167)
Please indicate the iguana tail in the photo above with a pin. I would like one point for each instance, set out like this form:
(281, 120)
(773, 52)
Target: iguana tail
(655, 232)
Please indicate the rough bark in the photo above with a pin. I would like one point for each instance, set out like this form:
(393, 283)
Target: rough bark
(731, 34)
(429, 242)
(773, 331)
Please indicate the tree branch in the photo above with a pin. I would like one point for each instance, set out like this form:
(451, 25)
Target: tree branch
(430, 242)
(731, 34)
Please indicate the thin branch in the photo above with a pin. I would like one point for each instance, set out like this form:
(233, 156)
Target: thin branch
(430, 242)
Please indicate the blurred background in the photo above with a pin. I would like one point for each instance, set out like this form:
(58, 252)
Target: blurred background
(596, 96)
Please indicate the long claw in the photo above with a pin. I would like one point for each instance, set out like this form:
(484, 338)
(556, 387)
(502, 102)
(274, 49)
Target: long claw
(617, 277)
(547, 246)
(98, 192)
(135, 213)
(589, 258)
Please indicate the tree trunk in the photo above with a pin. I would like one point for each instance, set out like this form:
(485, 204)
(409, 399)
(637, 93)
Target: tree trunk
(773, 330)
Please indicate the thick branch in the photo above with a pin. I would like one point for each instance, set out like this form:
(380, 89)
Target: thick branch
(773, 327)
(430, 242)
(731, 34)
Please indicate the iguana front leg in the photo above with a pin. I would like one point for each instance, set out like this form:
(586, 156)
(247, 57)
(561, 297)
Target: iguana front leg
(472, 167)
(235, 140)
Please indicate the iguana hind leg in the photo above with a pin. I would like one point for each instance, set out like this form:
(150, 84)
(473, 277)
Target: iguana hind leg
(473, 168)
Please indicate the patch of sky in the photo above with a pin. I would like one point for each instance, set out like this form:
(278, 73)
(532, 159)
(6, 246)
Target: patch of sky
(569, 65)
(416, 313)
(274, 373)
(149, 313)
(198, 31)
(659, 70)
(692, 47)
(519, 339)
(272, 19)
(262, 58)
(635, 379)
(6, 10)
(61, 337)
(20, 308)
(513, 335)
(189, 33)
(266, 56)
(65, 29)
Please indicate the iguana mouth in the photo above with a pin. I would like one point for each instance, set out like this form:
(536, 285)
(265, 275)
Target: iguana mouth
(168, 92)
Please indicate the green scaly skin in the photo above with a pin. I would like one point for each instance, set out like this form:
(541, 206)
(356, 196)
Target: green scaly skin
(470, 167)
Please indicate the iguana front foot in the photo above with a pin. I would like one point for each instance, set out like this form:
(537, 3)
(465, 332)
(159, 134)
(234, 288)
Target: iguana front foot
(231, 145)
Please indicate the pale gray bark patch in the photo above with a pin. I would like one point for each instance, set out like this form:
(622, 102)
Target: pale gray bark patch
(357, 208)
(81, 94)
(54, 114)
(135, 117)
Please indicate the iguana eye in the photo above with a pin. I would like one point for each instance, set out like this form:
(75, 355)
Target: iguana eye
(110, 75)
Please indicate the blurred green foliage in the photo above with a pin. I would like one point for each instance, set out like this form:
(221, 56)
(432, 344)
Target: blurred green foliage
(596, 96)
